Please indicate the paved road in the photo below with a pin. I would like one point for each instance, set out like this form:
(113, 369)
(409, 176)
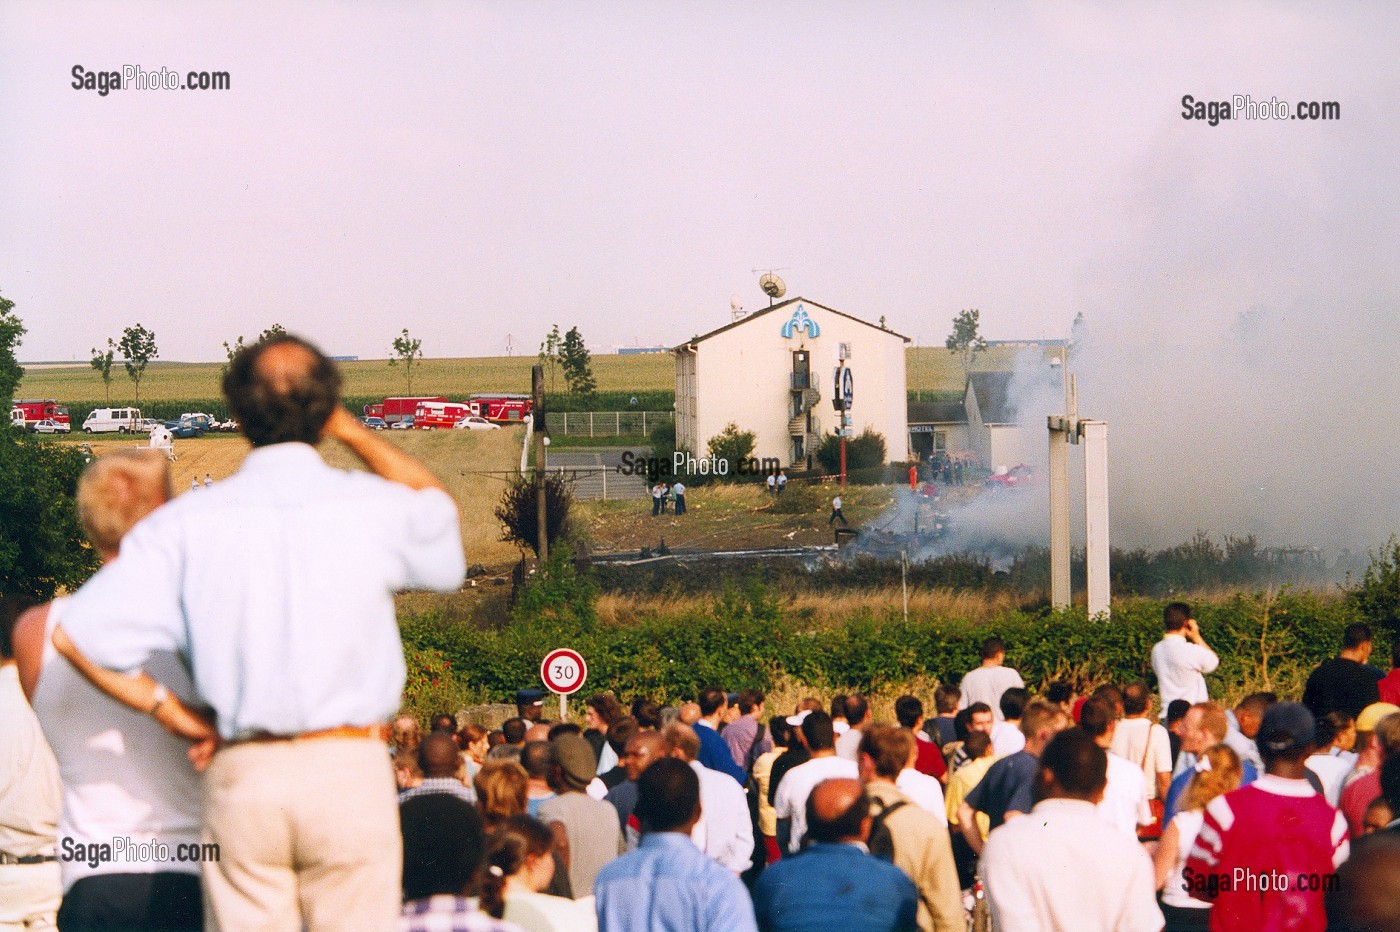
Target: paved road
(595, 474)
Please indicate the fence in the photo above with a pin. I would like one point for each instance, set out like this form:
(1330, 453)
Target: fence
(603, 482)
(607, 423)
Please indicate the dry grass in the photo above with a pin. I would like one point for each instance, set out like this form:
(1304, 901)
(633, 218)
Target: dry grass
(822, 609)
(470, 463)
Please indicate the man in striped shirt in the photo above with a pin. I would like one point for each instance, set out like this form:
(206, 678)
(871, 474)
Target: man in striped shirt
(1269, 851)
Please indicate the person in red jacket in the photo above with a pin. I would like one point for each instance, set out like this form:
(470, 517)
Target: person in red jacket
(1268, 852)
(1390, 685)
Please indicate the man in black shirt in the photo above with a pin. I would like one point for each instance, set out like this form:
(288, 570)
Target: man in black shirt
(1345, 683)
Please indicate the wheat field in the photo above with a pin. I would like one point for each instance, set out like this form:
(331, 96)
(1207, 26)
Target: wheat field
(929, 369)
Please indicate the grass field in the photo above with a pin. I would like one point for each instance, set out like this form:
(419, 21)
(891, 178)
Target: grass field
(470, 463)
(929, 369)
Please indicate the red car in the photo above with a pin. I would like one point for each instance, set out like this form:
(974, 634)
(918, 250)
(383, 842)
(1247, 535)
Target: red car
(1014, 478)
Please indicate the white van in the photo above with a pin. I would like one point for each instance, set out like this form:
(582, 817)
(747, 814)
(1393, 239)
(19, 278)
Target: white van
(17, 418)
(107, 420)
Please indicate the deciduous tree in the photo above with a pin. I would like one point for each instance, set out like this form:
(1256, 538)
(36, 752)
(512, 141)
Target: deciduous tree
(102, 362)
(407, 350)
(549, 353)
(138, 348)
(577, 364)
(11, 331)
(965, 340)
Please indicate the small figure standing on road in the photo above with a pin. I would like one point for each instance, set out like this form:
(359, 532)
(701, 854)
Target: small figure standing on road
(208, 481)
(836, 513)
(771, 482)
(913, 478)
(656, 499)
(679, 491)
(782, 481)
(194, 484)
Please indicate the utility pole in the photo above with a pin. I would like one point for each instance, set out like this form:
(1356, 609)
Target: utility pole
(1064, 430)
(542, 524)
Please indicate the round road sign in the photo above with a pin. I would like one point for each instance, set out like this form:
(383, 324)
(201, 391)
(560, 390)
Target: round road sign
(563, 671)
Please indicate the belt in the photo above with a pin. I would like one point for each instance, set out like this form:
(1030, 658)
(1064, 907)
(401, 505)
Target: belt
(7, 858)
(373, 732)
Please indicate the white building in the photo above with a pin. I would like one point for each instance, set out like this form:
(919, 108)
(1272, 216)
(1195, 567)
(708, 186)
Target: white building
(773, 373)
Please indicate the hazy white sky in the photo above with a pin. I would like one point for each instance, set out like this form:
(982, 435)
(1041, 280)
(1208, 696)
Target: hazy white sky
(470, 171)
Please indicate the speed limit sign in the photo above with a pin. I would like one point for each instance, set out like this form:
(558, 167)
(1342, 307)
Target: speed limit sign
(563, 671)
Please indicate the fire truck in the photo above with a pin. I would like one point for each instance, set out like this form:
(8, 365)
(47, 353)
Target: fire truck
(396, 409)
(438, 415)
(33, 411)
(501, 407)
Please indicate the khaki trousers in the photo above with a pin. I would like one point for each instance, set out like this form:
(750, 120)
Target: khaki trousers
(29, 896)
(308, 836)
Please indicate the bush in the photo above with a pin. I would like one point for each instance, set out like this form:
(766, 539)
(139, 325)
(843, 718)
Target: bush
(519, 510)
(749, 637)
(1377, 597)
(734, 446)
(865, 451)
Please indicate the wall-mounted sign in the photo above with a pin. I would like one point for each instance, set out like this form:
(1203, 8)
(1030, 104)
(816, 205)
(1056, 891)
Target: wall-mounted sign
(800, 321)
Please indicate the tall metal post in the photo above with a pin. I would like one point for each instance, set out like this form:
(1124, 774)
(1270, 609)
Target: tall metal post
(542, 524)
(1059, 517)
(1095, 434)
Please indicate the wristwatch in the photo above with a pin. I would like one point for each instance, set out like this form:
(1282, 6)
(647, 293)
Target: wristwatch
(160, 697)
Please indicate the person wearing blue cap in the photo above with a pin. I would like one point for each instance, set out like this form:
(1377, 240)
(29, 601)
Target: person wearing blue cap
(529, 704)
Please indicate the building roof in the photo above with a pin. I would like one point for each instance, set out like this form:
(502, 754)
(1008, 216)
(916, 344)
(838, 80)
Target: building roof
(937, 412)
(993, 391)
(782, 304)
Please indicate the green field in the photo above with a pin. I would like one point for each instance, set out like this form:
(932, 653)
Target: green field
(928, 369)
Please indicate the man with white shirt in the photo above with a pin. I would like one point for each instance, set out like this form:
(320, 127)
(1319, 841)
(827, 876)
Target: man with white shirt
(277, 587)
(791, 801)
(1006, 733)
(1037, 870)
(1124, 803)
(990, 680)
(858, 715)
(724, 831)
(1182, 658)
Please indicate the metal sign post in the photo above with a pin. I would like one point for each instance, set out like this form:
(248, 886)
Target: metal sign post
(563, 672)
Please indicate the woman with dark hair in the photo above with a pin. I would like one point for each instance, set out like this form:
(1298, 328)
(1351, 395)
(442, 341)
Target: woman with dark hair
(473, 741)
(519, 868)
(599, 713)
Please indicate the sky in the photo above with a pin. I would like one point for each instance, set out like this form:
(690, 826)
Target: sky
(476, 172)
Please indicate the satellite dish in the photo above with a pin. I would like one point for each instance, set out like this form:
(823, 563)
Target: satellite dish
(772, 285)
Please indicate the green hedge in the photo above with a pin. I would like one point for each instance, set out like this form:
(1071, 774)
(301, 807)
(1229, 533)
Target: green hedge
(749, 638)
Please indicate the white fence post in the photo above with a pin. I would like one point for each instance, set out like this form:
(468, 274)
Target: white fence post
(590, 423)
(644, 423)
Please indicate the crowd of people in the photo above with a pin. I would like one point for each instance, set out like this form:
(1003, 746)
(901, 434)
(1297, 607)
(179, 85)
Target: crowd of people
(203, 735)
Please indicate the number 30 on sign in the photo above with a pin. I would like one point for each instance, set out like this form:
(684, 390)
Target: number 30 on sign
(563, 671)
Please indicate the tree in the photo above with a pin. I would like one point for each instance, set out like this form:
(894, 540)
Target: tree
(406, 350)
(518, 510)
(138, 348)
(11, 330)
(964, 340)
(577, 364)
(864, 451)
(733, 445)
(42, 547)
(102, 362)
(549, 353)
(232, 350)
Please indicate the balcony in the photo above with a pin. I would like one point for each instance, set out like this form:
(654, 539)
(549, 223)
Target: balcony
(801, 381)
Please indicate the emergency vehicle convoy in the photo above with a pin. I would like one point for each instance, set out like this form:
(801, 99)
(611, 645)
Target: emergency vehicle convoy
(27, 413)
(434, 412)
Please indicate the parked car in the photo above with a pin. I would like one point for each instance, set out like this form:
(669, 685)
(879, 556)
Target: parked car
(472, 422)
(1014, 478)
(374, 423)
(185, 428)
(49, 426)
(229, 426)
(403, 424)
(145, 425)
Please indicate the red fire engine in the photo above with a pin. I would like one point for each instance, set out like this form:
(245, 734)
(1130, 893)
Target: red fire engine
(38, 410)
(396, 409)
(501, 407)
(438, 415)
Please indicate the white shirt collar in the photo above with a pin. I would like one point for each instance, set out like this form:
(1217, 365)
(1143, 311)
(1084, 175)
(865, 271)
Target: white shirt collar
(1281, 786)
(279, 457)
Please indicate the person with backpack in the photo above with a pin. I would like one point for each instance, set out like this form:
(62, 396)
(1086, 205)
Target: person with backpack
(914, 840)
